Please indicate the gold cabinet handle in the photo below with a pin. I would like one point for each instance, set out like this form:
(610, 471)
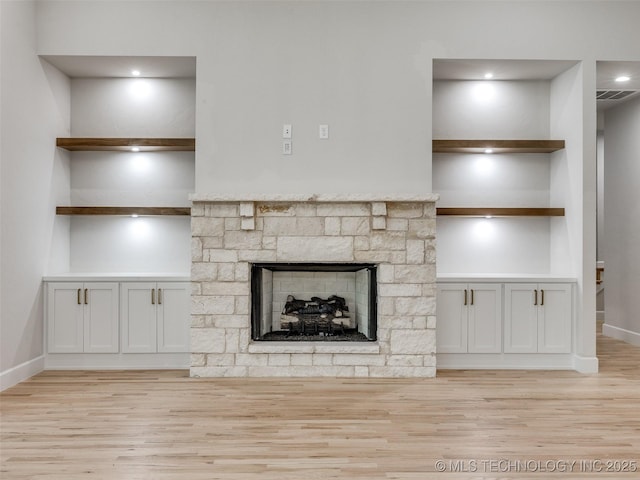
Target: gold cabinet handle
(472, 296)
(86, 296)
(79, 301)
(159, 296)
(465, 296)
(153, 296)
(535, 301)
(542, 295)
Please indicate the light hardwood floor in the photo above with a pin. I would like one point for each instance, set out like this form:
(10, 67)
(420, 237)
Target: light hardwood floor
(164, 425)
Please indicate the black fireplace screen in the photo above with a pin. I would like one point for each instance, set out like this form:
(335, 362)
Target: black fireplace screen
(313, 302)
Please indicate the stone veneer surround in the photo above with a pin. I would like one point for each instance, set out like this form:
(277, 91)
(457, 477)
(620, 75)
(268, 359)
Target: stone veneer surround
(230, 232)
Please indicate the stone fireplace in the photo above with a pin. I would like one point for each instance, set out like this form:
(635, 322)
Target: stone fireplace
(319, 246)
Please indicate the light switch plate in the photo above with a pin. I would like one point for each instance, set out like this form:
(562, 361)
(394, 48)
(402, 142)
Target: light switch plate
(323, 132)
(286, 131)
(286, 147)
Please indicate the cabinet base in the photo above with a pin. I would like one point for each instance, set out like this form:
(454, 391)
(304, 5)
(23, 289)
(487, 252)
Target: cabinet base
(508, 361)
(116, 361)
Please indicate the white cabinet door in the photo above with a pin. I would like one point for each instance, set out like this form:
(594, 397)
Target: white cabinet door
(100, 306)
(485, 318)
(173, 316)
(65, 317)
(520, 318)
(451, 318)
(554, 318)
(138, 317)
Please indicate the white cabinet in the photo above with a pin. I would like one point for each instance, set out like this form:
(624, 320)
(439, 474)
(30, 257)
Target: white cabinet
(155, 317)
(538, 318)
(451, 315)
(82, 317)
(469, 318)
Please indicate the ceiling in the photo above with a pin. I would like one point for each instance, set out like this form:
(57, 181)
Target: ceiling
(114, 66)
(502, 69)
(607, 72)
(606, 75)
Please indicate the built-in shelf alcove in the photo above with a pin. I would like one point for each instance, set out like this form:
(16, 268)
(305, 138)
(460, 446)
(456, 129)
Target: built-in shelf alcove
(314, 302)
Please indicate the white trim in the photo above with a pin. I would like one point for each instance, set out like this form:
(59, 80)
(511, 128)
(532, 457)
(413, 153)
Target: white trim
(21, 372)
(585, 364)
(621, 334)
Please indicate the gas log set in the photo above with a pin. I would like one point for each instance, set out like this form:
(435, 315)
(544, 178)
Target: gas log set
(316, 316)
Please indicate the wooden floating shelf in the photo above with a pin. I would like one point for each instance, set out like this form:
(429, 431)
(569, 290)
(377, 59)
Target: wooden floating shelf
(498, 146)
(126, 144)
(500, 212)
(123, 211)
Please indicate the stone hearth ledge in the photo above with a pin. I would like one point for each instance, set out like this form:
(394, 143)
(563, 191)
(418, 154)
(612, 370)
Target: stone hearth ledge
(314, 347)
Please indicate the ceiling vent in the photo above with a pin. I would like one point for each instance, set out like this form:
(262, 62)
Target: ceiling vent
(614, 94)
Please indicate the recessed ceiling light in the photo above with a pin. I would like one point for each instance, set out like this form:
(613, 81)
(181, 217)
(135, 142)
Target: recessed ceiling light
(135, 149)
(488, 150)
(623, 78)
(135, 215)
(488, 216)
(135, 73)
(488, 75)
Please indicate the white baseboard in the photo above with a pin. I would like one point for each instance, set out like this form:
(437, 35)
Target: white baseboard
(621, 334)
(585, 364)
(21, 372)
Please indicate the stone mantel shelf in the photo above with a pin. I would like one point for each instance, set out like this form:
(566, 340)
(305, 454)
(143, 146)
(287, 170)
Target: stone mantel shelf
(315, 197)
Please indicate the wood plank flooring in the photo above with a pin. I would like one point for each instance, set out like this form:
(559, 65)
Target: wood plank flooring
(480, 424)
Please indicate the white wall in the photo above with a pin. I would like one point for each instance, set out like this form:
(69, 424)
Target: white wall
(492, 110)
(136, 107)
(105, 244)
(514, 245)
(621, 221)
(491, 180)
(133, 107)
(573, 184)
(153, 179)
(600, 188)
(35, 109)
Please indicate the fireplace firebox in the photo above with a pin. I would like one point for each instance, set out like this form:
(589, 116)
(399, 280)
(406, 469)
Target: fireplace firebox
(314, 302)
